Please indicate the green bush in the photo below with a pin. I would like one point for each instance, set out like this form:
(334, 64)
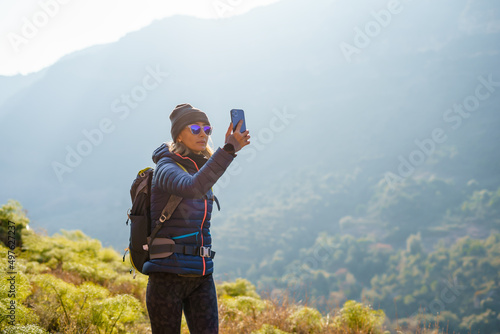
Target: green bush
(27, 329)
(23, 315)
(242, 306)
(20, 313)
(65, 307)
(241, 287)
(358, 318)
(268, 329)
(13, 212)
(115, 313)
(306, 320)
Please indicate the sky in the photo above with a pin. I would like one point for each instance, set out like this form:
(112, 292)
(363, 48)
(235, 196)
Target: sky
(34, 34)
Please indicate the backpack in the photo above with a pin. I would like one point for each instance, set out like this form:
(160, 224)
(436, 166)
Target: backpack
(141, 236)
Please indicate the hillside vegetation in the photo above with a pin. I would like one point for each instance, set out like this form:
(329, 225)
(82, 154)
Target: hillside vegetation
(431, 246)
(69, 283)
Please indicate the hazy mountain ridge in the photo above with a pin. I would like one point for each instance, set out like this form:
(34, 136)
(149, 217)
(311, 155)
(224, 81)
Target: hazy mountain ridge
(322, 175)
(373, 108)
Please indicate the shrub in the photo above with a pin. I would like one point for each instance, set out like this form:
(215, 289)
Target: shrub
(356, 317)
(64, 307)
(20, 313)
(268, 329)
(27, 329)
(240, 307)
(241, 287)
(14, 212)
(306, 320)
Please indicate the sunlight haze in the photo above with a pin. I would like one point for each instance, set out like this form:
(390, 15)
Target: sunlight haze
(36, 34)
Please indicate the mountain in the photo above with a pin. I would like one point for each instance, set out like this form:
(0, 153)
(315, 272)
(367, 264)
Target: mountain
(285, 60)
(374, 119)
(308, 107)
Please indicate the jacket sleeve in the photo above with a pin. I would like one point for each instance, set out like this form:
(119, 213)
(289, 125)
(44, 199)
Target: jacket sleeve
(169, 177)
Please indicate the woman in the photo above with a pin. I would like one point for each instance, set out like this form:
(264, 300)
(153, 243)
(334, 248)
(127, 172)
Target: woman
(187, 168)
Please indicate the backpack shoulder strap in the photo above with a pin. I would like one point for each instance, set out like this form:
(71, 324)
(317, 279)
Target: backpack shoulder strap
(168, 210)
(172, 203)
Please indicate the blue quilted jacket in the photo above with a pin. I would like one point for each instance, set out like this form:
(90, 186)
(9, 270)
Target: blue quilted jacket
(190, 222)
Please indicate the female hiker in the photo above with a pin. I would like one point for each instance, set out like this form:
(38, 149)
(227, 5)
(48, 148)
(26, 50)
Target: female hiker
(181, 280)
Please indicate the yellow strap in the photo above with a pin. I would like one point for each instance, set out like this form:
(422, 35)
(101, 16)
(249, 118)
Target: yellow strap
(143, 170)
(181, 166)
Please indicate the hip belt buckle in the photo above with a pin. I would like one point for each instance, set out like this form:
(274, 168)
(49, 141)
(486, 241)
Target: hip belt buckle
(205, 251)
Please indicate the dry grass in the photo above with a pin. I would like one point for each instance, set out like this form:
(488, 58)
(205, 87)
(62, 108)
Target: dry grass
(274, 314)
(277, 316)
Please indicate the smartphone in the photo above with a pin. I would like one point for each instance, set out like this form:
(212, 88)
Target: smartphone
(236, 116)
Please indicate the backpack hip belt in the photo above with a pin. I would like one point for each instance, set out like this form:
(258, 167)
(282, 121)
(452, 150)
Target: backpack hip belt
(162, 250)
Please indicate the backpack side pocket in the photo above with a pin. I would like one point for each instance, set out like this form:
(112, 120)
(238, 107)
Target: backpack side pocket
(139, 230)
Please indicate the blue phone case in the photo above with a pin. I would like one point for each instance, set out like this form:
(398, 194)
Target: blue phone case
(236, 116)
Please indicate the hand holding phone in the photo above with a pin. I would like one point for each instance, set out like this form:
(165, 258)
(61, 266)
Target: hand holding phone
(241, 138)
(236, 116)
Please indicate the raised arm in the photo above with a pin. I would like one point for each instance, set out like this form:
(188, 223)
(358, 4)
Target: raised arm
(169, 177)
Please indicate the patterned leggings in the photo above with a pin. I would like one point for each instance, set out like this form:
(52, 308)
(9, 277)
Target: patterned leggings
(168, 294)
